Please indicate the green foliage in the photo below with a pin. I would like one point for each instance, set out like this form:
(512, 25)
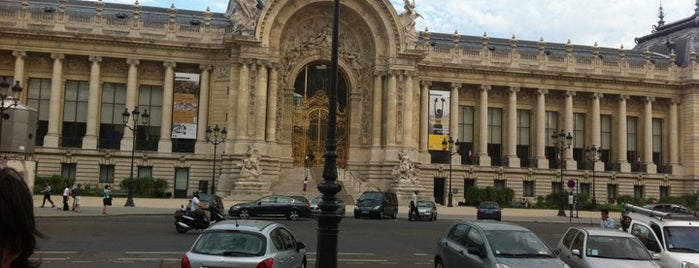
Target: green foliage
(57, 182)
(475, 195)
(146, 187)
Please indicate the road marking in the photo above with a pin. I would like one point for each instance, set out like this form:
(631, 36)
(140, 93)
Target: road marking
(353, 260)
(55, 252)
(154, 252)
(422, 254)
(49, 259)
(148, 259)
(347, 253)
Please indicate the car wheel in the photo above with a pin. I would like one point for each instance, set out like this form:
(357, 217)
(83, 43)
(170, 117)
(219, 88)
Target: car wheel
(395, 214)
(244, 214)
(381, 215)
(438, 263)
(356, 216)
(304, 263)
(293, 215)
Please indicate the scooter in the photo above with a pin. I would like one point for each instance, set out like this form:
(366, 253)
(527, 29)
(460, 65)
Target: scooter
(186, 220)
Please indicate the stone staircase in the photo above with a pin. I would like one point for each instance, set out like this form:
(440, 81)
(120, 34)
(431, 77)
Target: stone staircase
(291, 183)
(342, 195)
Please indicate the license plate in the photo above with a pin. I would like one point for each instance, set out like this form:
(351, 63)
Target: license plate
(365, 212)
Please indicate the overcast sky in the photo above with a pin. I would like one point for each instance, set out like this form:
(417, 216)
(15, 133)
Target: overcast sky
(610, 23)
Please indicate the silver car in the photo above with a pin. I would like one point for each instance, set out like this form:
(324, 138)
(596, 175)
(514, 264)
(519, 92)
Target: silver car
(493, 244)
(246, 244)
(582, 247)
(427, 210)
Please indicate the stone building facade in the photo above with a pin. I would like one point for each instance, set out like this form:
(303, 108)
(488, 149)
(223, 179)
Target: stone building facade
(260, 71)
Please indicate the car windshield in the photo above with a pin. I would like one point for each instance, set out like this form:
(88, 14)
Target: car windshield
(316, 200)
(517, 244)
(371, 196)
(682, 239)
(615, 247)
(488, 205)
(230, 243)
(424, 204)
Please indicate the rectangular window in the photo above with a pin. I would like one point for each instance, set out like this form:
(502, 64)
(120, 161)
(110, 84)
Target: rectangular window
(75, 114)
(664, 192)
(556, 187)
(551, 129)
(612, 192)
(638, 191)
(106, 173)
(466, 130)
(68, 171)
(528, 189)
(578, 145)
(39, 98)
(182, 179)
(495, 136)
(468, 183)
(658, 143)
(523, 137)
(111, 120)
(499, 184)
(585, 189)
(150, 98)
(632, 154)
(145, 171)
(605, 148)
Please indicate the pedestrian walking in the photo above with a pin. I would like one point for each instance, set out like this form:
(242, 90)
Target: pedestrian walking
(305, 185)
(18, 233)
(66, 194)
(413, 213)
(106, 198)
(606, 221)
(47, 195)
(77, 195)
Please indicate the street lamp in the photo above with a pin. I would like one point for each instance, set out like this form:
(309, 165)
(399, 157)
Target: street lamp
(4, 88)
(215, 137)
(449, 147)
(329, 219)
(562, 143)
(134, 129)
(593, 156)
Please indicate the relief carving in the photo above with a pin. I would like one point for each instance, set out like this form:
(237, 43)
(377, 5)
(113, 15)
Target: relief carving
(244, 14)
(406, 171)
(251, 163)
(407, 18)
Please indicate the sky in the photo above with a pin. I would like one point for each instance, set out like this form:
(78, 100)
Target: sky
(610, 23)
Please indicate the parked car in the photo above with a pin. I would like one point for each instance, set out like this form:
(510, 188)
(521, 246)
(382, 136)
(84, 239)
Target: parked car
(315, 210)
(590, 247)
(671, 208)
(492, 244)
(376, 205)
(489, 210)
(291, 207)
(246, 243)
(427, 210)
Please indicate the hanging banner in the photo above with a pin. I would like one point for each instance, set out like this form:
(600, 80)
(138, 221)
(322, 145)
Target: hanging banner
(185, 106)
(438, 127)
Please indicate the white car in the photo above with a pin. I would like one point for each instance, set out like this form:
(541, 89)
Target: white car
(246, 244)
(592, 247)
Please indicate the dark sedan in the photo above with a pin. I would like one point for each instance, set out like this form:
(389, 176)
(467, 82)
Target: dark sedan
(489, 210)
(291, 207)
(315, 210)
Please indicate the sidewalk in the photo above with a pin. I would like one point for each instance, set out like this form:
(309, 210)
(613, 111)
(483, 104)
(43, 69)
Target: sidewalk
(92, 206)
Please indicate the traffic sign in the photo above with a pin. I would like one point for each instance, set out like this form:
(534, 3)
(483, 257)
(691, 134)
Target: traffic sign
(571, 184)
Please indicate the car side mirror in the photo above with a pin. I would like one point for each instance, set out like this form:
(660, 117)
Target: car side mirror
(576, 252)
(655, 255)
(300, 245)
(476, 251)
(259, 203)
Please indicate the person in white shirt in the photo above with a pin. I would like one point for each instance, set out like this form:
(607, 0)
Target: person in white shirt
(66, 194)
(606, 221)
(200, 208)
(413, 213)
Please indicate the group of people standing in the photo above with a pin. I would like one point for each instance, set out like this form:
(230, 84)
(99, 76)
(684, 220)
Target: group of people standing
(76, 192)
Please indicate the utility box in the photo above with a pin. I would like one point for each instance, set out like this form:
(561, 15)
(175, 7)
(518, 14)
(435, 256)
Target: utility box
(18, 129)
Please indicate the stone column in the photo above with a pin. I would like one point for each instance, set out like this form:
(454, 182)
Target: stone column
(674, 137)
(165, 142)
(541, 161)
(261, 102)
(202, 146)
(424, 115)
(511, 145)
(454, 119)
(20, 57)
(93, 105)
(391, 110)
(131, 102)
(483, 159)
(376, 113)
(596, 127)
(56, 105)
(647, 157)
(271, 133)
(408, 106)
(624, 165)
(570, 163)
(243, 101)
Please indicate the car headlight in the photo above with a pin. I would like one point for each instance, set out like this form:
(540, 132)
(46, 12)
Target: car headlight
(376, 208)
(236, 207)
(686, 264)
(500, 265)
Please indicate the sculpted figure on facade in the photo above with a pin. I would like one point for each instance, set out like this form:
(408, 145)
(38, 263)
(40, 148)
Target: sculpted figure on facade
(408, 17)
(251, 163)
(244, 15)
(406, 171)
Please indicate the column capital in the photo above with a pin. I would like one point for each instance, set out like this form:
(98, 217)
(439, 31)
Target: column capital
(57, 56)
(456, 86)
(675, 101)
(205, 67)
(624, 97)
(19, 53)
(649, 99)
(596, 96)
(426, 83)
(542, 91)
(514, 89)
(570, 93)
(169, 64)
(95, 59)
(133, 61)
(408, 72)
(485, 87)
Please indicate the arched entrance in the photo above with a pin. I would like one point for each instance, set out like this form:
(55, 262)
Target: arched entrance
(310, 123)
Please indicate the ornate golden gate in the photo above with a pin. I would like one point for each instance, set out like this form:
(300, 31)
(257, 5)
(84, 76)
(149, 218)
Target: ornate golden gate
(311, 131)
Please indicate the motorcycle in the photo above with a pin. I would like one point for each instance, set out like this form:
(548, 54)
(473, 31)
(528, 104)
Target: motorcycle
(186, 219)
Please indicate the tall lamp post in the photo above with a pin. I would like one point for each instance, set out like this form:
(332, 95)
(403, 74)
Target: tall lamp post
(215, 136)
(593, 157)
(134, 129)
(562, 143)
(4, 94)
(329, 219)
(448, 146)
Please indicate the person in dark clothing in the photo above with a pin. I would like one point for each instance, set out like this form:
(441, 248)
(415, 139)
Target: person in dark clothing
(47, 195)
